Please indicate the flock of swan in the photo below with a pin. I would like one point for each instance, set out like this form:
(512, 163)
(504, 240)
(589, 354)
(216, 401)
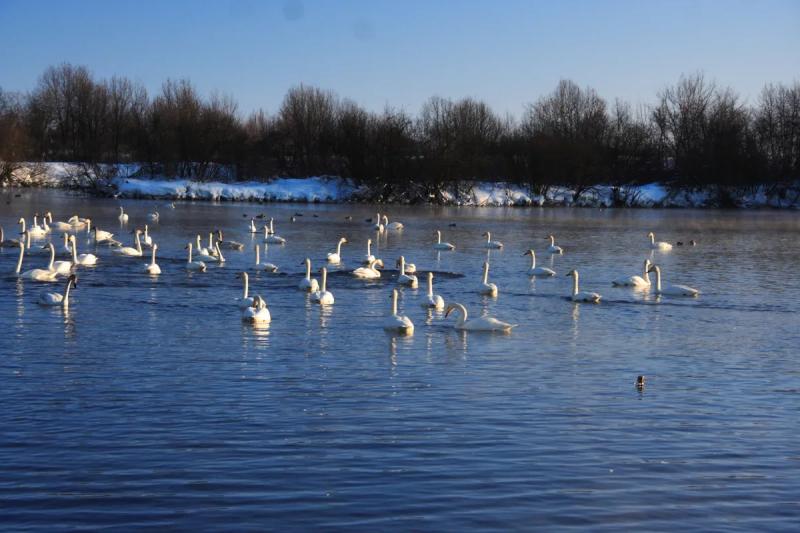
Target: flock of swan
(254, 309)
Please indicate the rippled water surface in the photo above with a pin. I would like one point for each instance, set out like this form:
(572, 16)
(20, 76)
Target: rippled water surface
(149, 403)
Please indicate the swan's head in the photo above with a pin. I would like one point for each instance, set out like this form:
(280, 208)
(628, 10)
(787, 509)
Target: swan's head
(369, 241)
(529, 252)
(343, 240)
(651, 235)
(572, 273)
(640, 381)
(450, 309)
(71, 238)
(219, 234)
(377, 263)
(653, 268)
(550, 238)
(21, 221)
(647, 264)
(155, 247)
(73, 279)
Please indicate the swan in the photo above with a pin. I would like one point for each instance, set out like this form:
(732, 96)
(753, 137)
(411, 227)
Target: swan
(44, 227)
(54, 299)
(34, 231)
(379, 224)
(432, 301)
(11, 243)
(246, 300)
(153, 269)
(640, 282)
(335, 258)
(391, 225)
(322, 296)
(130, 251)
(154, 216)
(270, 237)
(123, 216)
(308, 284)
(59, 225)
(78, 222)
(439, 245)
(212, 247)
(101, 236)
(230, 245)
(490, 244)
(62, 268)
(369, 258)
(146, 238)
(553, 249)
(219, 256)
(200, 249)
(660, 245)
(486, 288)
(257, 313)
(408, 280)
(577, 295)
(268, 267)
(36, 274)
(398, 323)
(252, 227)
(197, 266)
(672, 290)
(83, 259)
(67, 248)
(411, 268)
(483, 323)
(538, 271)
(369, 272)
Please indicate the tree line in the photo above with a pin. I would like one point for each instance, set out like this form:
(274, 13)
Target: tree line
(696, 133)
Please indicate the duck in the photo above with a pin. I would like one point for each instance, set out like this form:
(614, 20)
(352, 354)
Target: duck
(268, 267)
(335, 258)
(369, 272)
(439, 245)
(323, 296)
(53, 299)
(483, 323)
(130, 251)
(36, 274)
(195, 266)
(538, 271)
(10, 243)
(270, 236)
(637, 282)
(432, 301)
(398, 323)
(658, 245)
(490, 244)
(153, 269)
(246, 300)
(553, 248)
(407, 280)
(308, 284)
(392, 225)
(578, 295)
(369, 258)
(123, 216)
(82, 259)
(257, 313)
(229, 245)
(486, 288)
(672, 290)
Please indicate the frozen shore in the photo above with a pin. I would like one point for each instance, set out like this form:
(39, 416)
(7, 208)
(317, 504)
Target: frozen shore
(128, 181)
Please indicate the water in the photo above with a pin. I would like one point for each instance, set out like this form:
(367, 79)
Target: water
(150, 404)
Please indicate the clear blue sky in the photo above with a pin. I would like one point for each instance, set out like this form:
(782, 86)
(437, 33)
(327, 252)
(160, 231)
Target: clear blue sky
(401, 52)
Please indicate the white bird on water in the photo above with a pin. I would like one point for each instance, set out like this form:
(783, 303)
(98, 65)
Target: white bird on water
(672, 290)
(398, 323)
(153, 269)
(637, 282)
(658, 245)
(268, 267)
(308, 284)
(538, 271)
(257, 313)
(553, 248)
(439, 245)
(369, 272)
(582, 296)
(483, 323)
(246, 300)
(36, 274)
(408, 280)
(335, 258)
(432, 301)
(490, 244)
(53, 299)
(323, 296)
(123, 216)
(486, 288)
(82, 259)
(195, 266)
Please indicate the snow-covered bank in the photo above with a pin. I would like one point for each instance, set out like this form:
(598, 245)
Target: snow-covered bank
(129, 181)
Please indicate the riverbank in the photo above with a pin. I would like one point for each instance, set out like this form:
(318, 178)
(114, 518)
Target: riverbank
(130, 181)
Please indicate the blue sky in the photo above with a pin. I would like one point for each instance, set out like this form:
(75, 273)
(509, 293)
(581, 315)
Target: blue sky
(400, 53)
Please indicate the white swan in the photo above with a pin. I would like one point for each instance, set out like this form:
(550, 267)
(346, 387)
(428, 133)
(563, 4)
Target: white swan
(638, 282)
(308, 284)
(146, 238)
(335, 258)
(34, 231)
(219, 256)
(246, 300)
(229, 245)
(391, 225)
(130, 251)
(398, 323)
(204, 254)
(369, 272)
(483, 323)
(408, 280)
(378, 226)
(62, 268)
(486, 288)
(59, 225)
(672, 290)
(369, 258)
(78, 222)
(66, 247)
(270, 236)
(54, 299)
(490, 244)
(257, 313)
(538, 271)
(200, 249)
(36, 274)
(432, 301)
(212, 247)
(577, 295)
(252, 227)
(101, 236)
(153, 269)
(268, 267)
(196, 266)
(83, 259)
(660, 245)
(154, 216)
(553, 248)
(410, 268)
(442, 245)
(322, 296)
(123, 216)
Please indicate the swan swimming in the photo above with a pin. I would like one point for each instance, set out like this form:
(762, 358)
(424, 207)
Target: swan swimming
(553, 248)
(36, 274)
(101, 236)
(60, 226)
(308, 284)
(672, 290)
(270, 236)
(369, 258)
(392, 225)
(578, 295)
(660, 245)
(129, 251)
(196, 266)
(62, 268)
(35, 232)
(123, 216)
(246, 300)
(379, 224)
(53, 299)
(538, 271)
(637, 282)
(398, 323)
(268, 267)
(432, 301)
(490, 244)
(257, 313)
(486, 288)
(146, 238)
(323, 296)
(153, 269)
(408, 280)
(335, 258)
(483, 323)
(369, 272)
(439, 245)
(83, 259)
(252, 227)
(230, 245)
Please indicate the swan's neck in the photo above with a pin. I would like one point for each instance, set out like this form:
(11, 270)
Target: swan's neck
(138, 244)
(658, 280)
(220, 257)
(88, 226)
(394, 302)
(266, 231)
(35, 221)
(52, 256)
(462, 315)
(21, 255)
(258, 254)
(2, 235)
(552, 241)
(152, 257)
(369, 247)
(210, 239)
(121, 211)
(533, 260)
(488, 237)
(190, 252)
(485, 273)
(324, 280)
(652, 239)
(339, 248)
(271, 230)
(402, 266)
(246, 281)
(74, 252)
(646, 274)
(27, 241)
(575, 283)
(430, 285)
(65, 301)
(308, 269)
(146, 232)
(438, 237)
(22, 223)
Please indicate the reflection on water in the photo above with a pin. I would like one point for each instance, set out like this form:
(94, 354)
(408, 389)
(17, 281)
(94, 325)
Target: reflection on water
(155, 387)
